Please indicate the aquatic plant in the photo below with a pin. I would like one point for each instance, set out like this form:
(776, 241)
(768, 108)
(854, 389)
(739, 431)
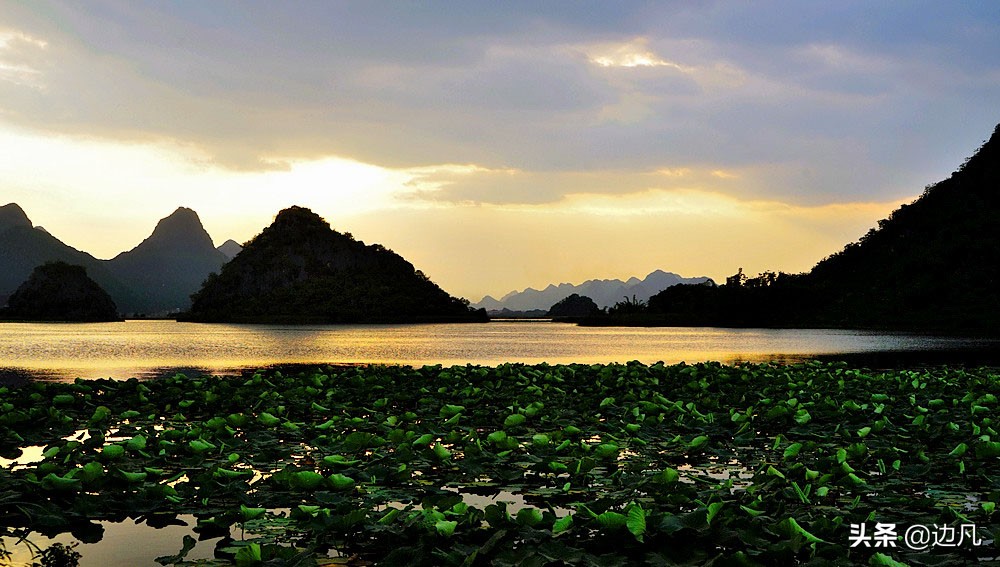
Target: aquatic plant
(580, 464)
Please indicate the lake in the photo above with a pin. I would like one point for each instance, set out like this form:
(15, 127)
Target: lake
(145, 348)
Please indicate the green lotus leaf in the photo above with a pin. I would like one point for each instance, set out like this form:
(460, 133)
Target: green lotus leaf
(442, 452)
(134, 477)
(137, 443)
(268, 420)
(341, 482)
(446, 527)
(514, 420)
(199, 446)
(606, 451)
(111, 452)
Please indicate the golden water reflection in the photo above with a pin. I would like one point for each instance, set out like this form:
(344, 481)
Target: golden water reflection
(145, 348)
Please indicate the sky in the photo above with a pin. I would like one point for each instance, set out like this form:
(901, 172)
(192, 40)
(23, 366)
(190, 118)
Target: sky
(496, 145)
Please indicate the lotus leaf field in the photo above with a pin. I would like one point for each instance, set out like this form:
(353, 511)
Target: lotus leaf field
(514, 465)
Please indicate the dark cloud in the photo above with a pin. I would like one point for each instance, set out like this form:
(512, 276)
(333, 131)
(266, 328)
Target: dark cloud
(827, 98)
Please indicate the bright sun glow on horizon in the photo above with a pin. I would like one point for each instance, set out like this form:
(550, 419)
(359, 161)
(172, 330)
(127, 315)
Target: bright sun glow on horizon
(690, 231)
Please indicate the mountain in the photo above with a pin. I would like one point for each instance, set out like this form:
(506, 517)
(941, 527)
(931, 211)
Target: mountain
(230, 249)
(299, 270)
(23, 248)
(605, 293)
(933, 265)
(168, 266)
(574, 306)
(13, 215)
(57, 291)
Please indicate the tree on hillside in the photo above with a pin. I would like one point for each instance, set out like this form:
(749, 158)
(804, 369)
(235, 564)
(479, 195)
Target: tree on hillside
(574, 305)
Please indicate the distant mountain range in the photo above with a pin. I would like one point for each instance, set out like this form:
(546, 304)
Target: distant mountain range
(605, 293)
(156, 277)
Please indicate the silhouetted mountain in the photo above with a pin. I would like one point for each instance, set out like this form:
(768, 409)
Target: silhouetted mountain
(604, 292)
(57, 291)
(168, 266)
(23, 248)
(230, 249)
(299, 270)
(933, 265)
(574, 306)
(489, 304)
(13, 215)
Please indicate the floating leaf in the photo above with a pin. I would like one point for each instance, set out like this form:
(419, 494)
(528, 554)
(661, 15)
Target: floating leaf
(251, 513)
(792, 450)
(606, 451)
(530, 517)
(668, 476)
(63, 399)
(698, 441)
(248, 554)
(713, 510)
(883, 560)
(636, 522)
(790, 527)
(341, 482)
(111, 452)
(268, 420)
(497, 437)
(450, 410)
(514, 420)
(134, 477)
(612, 520)
(425, 439)
(339, 461)
(306, 479)
(562, 524)
(442, 452)
(988, 449)
(200, 446)
(446, 527)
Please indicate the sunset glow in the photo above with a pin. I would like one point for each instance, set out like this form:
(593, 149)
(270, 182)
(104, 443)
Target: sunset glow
(556, 147)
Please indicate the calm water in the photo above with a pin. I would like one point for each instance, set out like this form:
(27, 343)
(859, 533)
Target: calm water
(150, 348)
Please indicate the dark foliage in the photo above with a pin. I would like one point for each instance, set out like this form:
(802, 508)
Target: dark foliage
(58, 291)
(933, 265)
(299, 270)
(574, 305)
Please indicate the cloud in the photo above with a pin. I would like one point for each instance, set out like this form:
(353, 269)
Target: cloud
(470, 184)
(811, 92)
(21, 59)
